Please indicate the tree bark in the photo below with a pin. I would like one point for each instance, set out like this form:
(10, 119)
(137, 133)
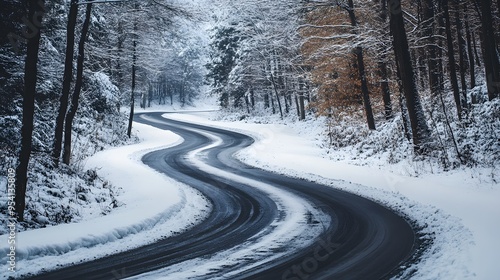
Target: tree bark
(171, 93)
(358, 51)
(472, 66)
(68, 76)
(440, 26)
(490, 56)
(302, 105)
(462, 62)
(402, 103)
(297, 106)
(451, 58)
(384, 87)
(420, 130)
(277, 95)
(35, 14)
(247, 103)
(428, 31)
(68, 123)
(476, 54)
(252, 97)
(382, 68)
(364, 89)
(132, 94)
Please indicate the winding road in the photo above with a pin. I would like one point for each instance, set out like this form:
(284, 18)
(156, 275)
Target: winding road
(354, 238)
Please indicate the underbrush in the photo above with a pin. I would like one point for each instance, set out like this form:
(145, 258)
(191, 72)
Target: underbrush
(68, 193)
(472, 142)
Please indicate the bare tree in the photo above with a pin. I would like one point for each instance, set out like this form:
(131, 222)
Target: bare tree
(420, 130)
(35, 14)
(67, 79)
(358, 51)
(451, 57)
(132, 93)
(75, 98)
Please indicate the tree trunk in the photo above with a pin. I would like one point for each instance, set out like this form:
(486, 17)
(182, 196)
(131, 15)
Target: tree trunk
(68, 76)
(35, 14)
(150, 95)
(132, 94)
(402, 107)
(439, 30)
(252, 97)
(277, 95)
(432, 63)
(451, 58)
(68, 123)
(247, 103)
(384, 87)
(302, 107)
(364, 89)
(404, 117)
(280, 82)
(171, 93)
(382, 68)
(462, 62)
(119, 71)
(420, 130)
(476, 54)
(272, 103)
(302, 101)
(181, 92)
(297, 106)
(358, 51)
(490, 55)
(472, 69)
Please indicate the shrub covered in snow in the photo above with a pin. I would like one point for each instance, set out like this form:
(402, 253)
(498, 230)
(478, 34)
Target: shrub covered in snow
(67, 193)
(470, 142)
(101, 95)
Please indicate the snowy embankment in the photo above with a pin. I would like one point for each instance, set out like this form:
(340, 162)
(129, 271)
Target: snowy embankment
(154, 206)
(456, 210)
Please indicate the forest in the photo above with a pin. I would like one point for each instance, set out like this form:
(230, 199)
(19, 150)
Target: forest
(428, 69)
(417, 79)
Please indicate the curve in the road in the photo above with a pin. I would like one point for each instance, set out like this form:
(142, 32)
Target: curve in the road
(364, 240)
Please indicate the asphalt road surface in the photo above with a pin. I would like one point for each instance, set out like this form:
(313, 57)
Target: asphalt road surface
(364, 240)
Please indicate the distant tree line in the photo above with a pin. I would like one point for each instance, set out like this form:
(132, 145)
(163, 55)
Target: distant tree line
(255, 61)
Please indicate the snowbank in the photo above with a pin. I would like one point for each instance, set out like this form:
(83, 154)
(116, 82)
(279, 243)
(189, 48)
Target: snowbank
(142, 219)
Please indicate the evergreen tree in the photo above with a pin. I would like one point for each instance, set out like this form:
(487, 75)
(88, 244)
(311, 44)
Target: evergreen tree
(223, 56)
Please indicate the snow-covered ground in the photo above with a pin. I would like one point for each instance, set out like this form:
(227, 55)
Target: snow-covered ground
(155, 206)
(291, 231)
(458, 209)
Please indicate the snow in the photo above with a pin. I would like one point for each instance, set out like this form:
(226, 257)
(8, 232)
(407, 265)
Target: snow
(293, 231)
(457, 209)
(142, 219)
